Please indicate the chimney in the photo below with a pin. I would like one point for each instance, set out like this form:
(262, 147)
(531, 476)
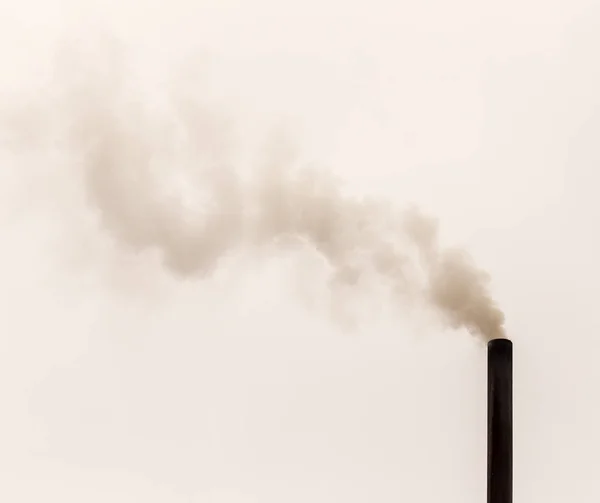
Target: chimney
(500, 422)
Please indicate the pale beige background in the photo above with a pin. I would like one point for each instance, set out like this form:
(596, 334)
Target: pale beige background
(487, 114)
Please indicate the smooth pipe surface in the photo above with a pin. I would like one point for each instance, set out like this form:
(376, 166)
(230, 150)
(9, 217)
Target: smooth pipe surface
(500, 422)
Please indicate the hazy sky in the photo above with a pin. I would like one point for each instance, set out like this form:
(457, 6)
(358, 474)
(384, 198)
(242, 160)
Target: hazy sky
(122, 384)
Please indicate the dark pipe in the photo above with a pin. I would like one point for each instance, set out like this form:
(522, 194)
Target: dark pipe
(500, 422)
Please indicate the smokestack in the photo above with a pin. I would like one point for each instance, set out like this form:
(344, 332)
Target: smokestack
(500, 422)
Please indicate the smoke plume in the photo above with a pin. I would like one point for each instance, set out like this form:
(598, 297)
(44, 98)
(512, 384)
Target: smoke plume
(126, 155)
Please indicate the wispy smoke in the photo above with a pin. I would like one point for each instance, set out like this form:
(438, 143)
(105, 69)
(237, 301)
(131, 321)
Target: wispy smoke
(126, 154)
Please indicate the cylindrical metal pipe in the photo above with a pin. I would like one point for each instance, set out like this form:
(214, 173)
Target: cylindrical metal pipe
(500, 422)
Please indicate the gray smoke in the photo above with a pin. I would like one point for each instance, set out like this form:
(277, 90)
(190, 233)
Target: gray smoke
(125, 153)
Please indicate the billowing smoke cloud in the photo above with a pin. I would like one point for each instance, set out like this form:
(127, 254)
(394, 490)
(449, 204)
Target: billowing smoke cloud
(127, 155)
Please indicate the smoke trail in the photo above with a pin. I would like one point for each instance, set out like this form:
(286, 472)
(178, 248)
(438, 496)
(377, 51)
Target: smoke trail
(455, 285)
(125, 154)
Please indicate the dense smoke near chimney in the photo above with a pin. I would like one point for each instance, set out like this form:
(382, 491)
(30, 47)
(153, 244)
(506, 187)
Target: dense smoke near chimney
(127, 155)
